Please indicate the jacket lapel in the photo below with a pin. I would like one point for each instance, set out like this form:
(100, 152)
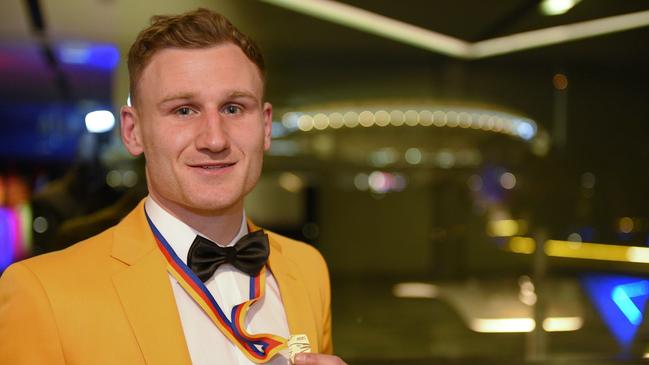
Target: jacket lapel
(145, 292)
(294, 294)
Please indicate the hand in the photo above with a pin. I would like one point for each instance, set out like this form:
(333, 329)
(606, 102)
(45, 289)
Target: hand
(317, 359)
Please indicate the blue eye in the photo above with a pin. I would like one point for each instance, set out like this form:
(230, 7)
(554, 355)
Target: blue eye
(232, 109)
(184, 111)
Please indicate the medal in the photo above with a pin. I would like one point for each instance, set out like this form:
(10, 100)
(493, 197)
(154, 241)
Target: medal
(259, 348)
(297, 344)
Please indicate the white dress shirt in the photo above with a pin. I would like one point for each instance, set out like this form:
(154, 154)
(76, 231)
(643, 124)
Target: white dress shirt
(229, 287)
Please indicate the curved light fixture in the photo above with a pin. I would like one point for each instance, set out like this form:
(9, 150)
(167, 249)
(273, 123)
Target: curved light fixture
(434, 116)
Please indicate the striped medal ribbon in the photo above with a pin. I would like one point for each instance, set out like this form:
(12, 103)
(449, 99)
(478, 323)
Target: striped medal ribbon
(259, 348)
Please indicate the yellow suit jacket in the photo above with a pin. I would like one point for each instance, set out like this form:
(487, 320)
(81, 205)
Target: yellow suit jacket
(108, 300)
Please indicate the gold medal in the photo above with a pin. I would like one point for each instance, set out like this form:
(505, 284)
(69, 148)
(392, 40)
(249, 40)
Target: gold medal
(297, 344)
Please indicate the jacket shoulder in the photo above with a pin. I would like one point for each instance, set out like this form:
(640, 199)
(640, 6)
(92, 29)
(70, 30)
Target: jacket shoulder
(306, 261)
(86, 253)
(298, 251)
(83, 267)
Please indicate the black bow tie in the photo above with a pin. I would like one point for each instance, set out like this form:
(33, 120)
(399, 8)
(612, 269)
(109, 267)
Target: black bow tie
(249, 255)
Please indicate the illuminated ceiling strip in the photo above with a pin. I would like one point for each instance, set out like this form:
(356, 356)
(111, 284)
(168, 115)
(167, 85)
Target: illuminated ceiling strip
(597, 251)
(373, 23)
(583, 250)
(506, 227)
(559, 34)
(525, 245)
(367, 21)
(503, 325)
(562, 324)
(525, 324)
(415, 290)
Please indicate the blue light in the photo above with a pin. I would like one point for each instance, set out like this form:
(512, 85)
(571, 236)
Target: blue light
(104, 56)
(40, 131)
(525, 129)
(622, 295)
(621, 301)
(278, 130)
(7, 244)
(587, 233)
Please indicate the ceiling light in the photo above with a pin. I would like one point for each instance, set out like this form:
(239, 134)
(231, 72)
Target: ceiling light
(413, 156)
(105, 56)
(413, 115)
(524, 245)
(525, 324)
(557, 7)
(100, 121)
(503, 325)
(559, 34)
(396, 30)
(508, 180)
(503, 228)
(367, 21)
(291, 182)
(382, 118)
(305, 123)
(583, 250)
(415, 290)
(562, 324)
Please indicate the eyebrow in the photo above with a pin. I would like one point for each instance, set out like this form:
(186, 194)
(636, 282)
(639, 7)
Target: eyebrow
(179, 96)
(242, 94)
(190, 95)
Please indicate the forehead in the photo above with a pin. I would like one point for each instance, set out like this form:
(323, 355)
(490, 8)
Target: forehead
(203, 70)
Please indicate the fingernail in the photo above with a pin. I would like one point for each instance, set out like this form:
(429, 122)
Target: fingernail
(301, 358)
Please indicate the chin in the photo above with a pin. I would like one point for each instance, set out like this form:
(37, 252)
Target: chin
(216, 205)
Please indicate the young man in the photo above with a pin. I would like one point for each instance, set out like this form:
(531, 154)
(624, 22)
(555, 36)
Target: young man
(179, 280)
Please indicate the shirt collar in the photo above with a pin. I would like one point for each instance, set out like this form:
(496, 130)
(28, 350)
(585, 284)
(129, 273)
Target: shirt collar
(178, 234)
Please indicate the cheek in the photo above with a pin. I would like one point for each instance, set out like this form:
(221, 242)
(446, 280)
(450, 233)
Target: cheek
(256, 150)
(267, 139)
(250, 139)
(166, 143)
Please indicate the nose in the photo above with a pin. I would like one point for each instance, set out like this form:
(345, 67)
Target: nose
(212, 135)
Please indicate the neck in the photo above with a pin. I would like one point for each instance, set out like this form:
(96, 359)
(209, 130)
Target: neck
(221, 226)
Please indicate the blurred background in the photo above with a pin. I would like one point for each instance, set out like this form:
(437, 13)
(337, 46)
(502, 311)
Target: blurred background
(474, 172)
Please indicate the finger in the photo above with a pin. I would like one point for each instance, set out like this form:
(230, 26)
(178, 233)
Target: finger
(317, 359)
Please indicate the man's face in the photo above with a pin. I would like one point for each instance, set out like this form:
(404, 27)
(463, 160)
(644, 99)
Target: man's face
(202, 125)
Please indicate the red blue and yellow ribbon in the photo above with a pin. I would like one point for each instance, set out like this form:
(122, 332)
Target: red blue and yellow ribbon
(259, 348)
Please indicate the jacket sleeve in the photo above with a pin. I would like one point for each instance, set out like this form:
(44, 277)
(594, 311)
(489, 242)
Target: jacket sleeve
(28, 331)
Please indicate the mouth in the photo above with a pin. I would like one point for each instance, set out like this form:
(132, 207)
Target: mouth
(213, 166)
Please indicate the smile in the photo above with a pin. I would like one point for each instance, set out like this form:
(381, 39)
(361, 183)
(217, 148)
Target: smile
(212, 166)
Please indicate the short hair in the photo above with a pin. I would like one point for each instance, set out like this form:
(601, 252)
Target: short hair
(196, 29)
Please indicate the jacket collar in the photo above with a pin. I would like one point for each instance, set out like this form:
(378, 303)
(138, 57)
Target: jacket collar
(133, 238)
(145, 292)
(148, 300)
(295, 295)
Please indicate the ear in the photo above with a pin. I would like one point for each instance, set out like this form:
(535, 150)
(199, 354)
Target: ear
(130, 131)
(268, 124)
